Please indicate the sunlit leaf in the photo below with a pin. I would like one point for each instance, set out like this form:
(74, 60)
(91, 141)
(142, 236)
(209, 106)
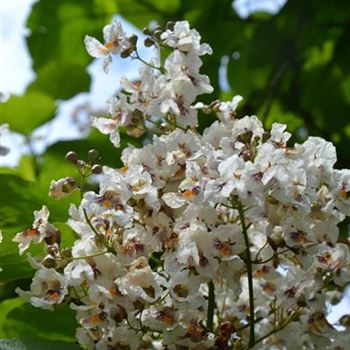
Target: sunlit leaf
(27, 112)
(61, 80)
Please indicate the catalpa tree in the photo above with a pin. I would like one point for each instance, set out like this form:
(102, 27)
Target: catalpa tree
(221, 239)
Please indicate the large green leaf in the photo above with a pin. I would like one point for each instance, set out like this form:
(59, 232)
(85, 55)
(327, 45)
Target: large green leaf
(22, 320)
(58, 29)
(27, 112)
(61, 80)
(142, 12)
(19, 198)
(5, 307)
(30, 344)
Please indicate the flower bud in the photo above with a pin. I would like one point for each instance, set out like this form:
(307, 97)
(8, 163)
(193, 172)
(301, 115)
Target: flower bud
(66, 252)
(62, 188)
(126, 53)
(52, 250)
(272, 200)
(148, 42)
(71, 156)
(266, 136)
(158, 34)
(133, 40)
(170, 25)
(226, 329)
(119, 313)
(93, 155)
(245, 137)
(96, 169)
(49, 262)
(81, 165)
(146, 31)
(52, 235)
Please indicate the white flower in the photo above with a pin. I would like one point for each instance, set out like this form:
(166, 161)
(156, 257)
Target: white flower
(227, 110)
(47, 289)
(141, 282)
(35, 234)
(120, 111)
(185, 39)
(185, 67)
(179, 95)
(115, 42)
(62, 188)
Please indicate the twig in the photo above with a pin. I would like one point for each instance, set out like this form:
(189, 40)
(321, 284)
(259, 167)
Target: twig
(211, 306)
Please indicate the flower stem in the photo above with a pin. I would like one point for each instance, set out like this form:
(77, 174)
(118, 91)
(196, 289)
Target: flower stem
(211, 306)
(248, 262)
(138, 57)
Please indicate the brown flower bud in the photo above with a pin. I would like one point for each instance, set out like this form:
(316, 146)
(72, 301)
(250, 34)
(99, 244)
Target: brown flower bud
(148, 42)
(93, 155)
(146, 31)
(66, 252)
(49, 262)
(96, 169)
(52, 250)
(158, 34)
(226, 329)
(119, 313)
(52, 235)
(245, 137)
(170, 25)
(126, 53)
(71, 157)
(133, 40)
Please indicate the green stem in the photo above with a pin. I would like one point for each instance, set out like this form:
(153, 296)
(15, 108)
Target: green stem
(283, 325)
(248, 262)
(87, 256)
(211, 306)
(99, 235)
(138, 57)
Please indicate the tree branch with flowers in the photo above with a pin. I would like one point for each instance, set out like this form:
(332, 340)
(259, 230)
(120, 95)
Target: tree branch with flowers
(225, 239)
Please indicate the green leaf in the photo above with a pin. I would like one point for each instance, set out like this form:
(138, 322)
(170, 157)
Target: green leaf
(58, 29)
(22, 320)
(19, 198)
(27, 112)
(61, 80)
(30, 344)
(14, 266)
(25, 168)
(5, 307)
(142, 12)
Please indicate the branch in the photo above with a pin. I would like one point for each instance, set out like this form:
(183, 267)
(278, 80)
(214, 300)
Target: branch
(211, 306)
(248, 262)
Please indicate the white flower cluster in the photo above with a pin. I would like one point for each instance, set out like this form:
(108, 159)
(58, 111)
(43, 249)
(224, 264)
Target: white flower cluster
(223, 240)
(168, 91)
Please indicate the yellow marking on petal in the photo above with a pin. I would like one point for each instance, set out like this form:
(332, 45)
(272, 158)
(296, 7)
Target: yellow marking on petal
(188, 194)
(107, 204)
(110, 45)
(31, 232)
(343, 194)
(114, 291)
(53, 294)
(180, 172)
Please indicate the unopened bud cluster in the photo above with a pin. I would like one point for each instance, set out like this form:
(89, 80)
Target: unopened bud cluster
(226, 239)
